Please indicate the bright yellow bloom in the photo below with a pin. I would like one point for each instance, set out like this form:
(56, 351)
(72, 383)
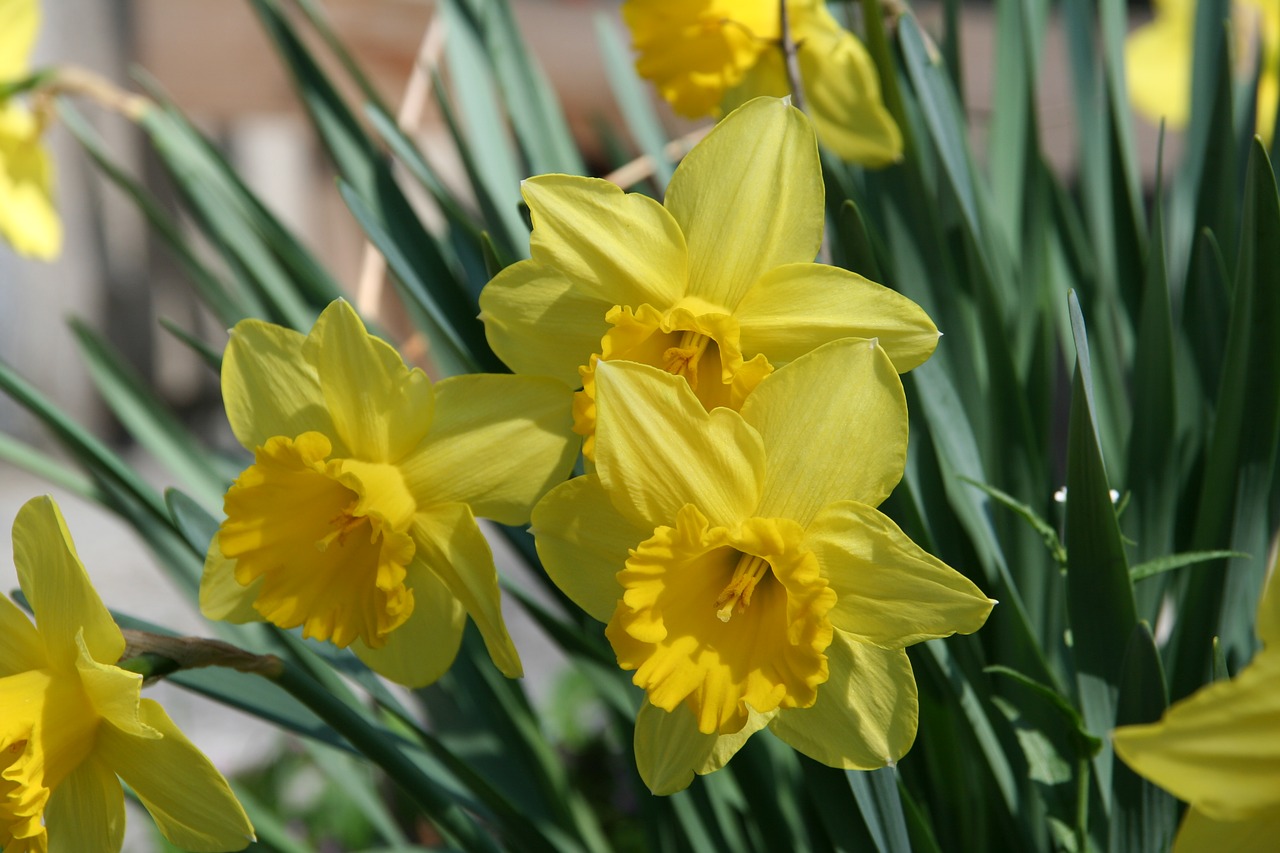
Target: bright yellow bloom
(709, 56)
(28, 218)
(1158, 59)
(1219, 750)
(357, 518)
(742, 568)
(718, 285)
(71, 721)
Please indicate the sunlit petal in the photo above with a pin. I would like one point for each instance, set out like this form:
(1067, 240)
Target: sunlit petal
(498, 443)
(842, 404)
(670, 749)
(56, 585)
(19, 22)
(20, 645)
(749, 198)
(422, 649)
(86, 811)
(29, 218)
(658, 449)
(891, 592)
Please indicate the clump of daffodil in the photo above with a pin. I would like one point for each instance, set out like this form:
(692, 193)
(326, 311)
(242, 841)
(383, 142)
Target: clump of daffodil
(742, 567)
(709, 56)
(717, 285)
(1219, 750)
(1158, 59)
(357, 519)
(71, 721)
(28, 219)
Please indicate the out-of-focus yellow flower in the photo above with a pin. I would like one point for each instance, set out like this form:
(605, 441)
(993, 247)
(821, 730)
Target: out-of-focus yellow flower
(71, 721)
(717, 286)
(742, 568)
(357, 518)
(708, 56)
(1219, 750)
(1158, 59)
(28, 218)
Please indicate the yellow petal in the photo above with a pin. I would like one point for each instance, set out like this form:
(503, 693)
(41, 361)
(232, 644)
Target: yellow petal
(1268, 626)
(55, 583)
(222, 597)
(1216, 749)
(866, 713)
(658, 449)
(113, 694)
(891, 593)
(20, 645)
(799, 307)
(452, 546)
(1201, 834)
(380, 408)
(422, 649)
(583, 543)
(86, 811)
(540, 323)
(498, 443)
(623, 248)
(749, 198)
(19, 22)
(187, 797)
(269, 390)
(841, 406)
(1158, 64)
(670, 749)
(28, 215)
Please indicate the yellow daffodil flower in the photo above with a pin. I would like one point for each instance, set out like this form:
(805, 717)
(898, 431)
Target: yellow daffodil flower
(1158, 59)
(708, 56)
(28, 219)
(357, 519)
(743, 570)
(71, 721)
(718, 285)
(1219, 750)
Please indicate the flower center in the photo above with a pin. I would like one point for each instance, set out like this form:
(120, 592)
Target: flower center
(328, 537)
(761, 647)
(682, 359)
(746, 575)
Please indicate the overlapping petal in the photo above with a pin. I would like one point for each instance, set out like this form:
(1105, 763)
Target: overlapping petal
(497, 443)
(798, 307)
(583, 542)
(421, 650)
(652, 466)
(222, 597)
(670, 749)
(86, 810)
(842, 404)
(20, 645)
(866, 714)
(268, 390)
(768, 214)
(188, 798)
(1202, 834)
(55, 583)
(451, 545)
(891, 592)
(378, 405)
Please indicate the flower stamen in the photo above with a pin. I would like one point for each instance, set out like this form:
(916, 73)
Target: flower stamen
(345, 522)
(682, 359)
(746, 575)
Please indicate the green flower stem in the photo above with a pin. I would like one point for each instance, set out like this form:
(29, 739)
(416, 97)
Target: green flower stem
(155, 656)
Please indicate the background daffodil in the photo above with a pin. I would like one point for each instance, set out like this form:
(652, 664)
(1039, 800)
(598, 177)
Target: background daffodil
(71, 721)
(28, 219)
(717, 285)
(1158, 59)
(742, 568)
(357, 518)
(708, 56)
(1219, 750)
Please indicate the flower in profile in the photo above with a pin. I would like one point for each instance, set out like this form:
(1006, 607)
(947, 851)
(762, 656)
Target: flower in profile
(708, 56)
(741, 565)
(28, 219)
(717, 285)
(357, 519)
(1158, 59)
(1219, 750)
(71, 721)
